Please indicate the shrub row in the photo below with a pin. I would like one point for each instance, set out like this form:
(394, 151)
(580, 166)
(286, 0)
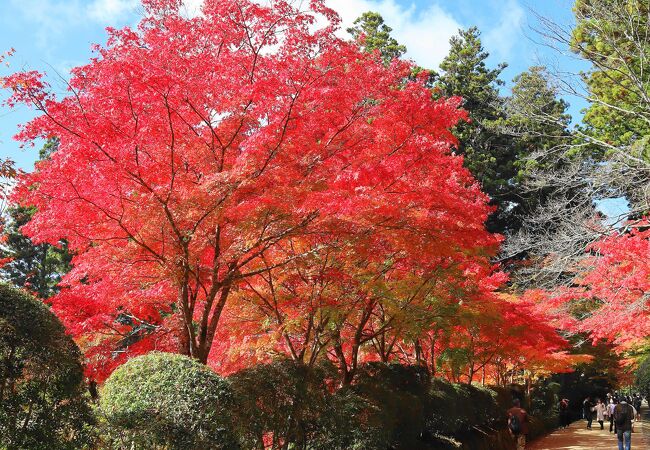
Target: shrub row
(167, 401)
(176, 403)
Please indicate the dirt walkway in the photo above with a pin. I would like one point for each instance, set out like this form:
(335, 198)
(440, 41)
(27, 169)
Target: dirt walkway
(578, 437)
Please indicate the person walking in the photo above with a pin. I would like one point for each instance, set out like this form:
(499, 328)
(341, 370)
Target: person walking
(588, 410)
(610, 410)
(623, 416)
(518, 423)
(564, 413)
(601, 408)
(637, 405)
(606, 413)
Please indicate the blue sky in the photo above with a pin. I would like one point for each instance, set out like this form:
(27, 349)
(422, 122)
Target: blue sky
(55, 35)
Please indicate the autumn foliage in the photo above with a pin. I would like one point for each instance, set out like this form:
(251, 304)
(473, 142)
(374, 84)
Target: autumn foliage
(609, 299)
(244, 184)
(620, 281)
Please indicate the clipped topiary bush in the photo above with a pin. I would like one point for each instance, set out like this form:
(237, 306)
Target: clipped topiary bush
(287, 404)
(350, 422)
(504, 397)
(399, 394)
(544, 399)
(280, 402)
(459, 408)
(43, 400)
(164, 400)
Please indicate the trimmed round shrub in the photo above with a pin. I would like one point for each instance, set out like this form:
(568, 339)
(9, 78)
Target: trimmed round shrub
(504, 397)
(456, 409)
(544, 399)
(43, 399)
(399, 395)
(350, 422)
(164, 400)
(281, 402)
(290, 403)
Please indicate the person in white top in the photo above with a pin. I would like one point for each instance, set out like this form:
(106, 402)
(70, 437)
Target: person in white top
(600, 409)
(610, 410)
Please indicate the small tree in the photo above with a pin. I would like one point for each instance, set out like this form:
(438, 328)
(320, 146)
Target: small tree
(35, 267)
(642, 378)
(162, 400)
(42, 396)
(489, 153)
(195, 154)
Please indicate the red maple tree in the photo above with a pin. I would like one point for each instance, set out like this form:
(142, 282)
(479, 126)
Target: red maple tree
(608, 300)
(201, 156)
(617, 285)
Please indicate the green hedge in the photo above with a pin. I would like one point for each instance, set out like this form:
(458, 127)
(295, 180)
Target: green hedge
(460, 407)
(172, 402)
(283, 400)
(290, 402)
(387, 406)
(163, 400)
(43, 399)
(399, 396)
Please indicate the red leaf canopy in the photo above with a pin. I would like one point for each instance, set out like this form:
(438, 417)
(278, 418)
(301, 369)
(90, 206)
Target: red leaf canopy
(196, 152)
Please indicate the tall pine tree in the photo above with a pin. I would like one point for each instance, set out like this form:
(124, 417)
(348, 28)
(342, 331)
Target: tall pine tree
(537, 125)
(489, 154)
(372, 34)
(36, 267)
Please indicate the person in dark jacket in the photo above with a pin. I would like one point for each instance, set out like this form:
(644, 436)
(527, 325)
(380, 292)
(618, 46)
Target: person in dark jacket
(588, 411)
(565, 420)
(623, 416)
(637, 405)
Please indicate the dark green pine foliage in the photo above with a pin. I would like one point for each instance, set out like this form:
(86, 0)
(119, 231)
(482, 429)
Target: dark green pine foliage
(506, 138)
(537, 120)
(489, 153)
(371, 32)
(537, 125)
(612, 35)
(37, 267)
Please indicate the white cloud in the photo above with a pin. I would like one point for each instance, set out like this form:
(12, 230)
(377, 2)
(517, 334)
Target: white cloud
(424, 32)
(53, 18)
(48, 16)
(109, 11)
(501, 39)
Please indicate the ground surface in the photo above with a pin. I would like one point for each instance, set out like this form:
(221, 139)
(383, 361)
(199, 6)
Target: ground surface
(578, 437)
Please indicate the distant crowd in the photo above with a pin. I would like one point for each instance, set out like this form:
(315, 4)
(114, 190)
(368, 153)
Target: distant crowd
(621, 411)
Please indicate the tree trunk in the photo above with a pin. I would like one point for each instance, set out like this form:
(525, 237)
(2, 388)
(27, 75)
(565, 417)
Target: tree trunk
(184, 347)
